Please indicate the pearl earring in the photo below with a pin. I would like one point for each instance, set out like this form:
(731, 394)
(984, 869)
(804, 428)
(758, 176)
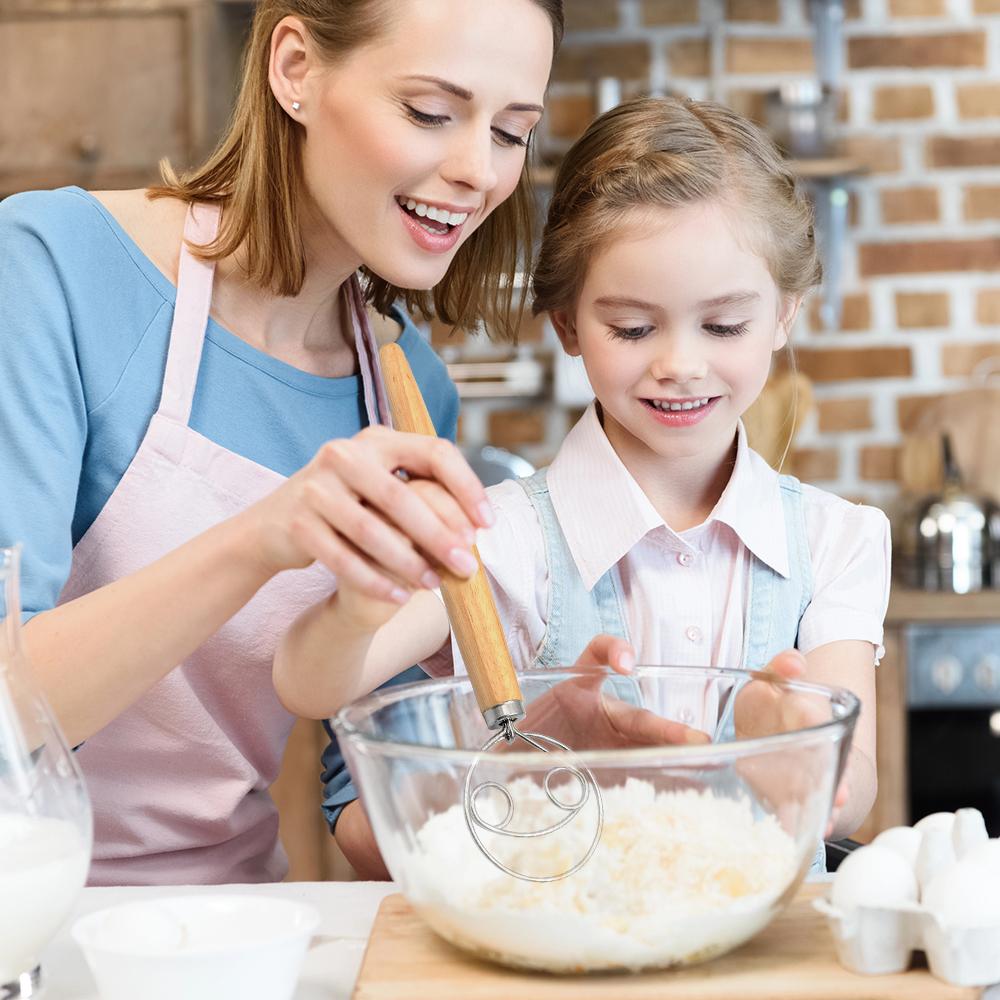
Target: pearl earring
(296, 105)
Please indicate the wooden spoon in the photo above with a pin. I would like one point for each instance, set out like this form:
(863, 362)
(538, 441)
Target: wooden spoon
(469, 603)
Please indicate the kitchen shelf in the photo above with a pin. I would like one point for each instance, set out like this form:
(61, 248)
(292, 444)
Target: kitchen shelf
(908, 605)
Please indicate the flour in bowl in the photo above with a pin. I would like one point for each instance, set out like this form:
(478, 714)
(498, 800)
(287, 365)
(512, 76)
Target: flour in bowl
(678, 877)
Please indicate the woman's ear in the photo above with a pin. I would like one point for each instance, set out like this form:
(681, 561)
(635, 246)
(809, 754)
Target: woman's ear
(790, 305)
(566, 331)
(289, 66)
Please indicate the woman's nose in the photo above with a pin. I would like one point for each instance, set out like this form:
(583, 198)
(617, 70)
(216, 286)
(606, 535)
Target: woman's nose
(470, 160)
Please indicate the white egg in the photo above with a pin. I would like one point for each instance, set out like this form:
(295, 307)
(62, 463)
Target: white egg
(904, 840)
(987, 852)
(968, 831)
(873, 876)
(935, 821)
(965, 894)
(936, 853)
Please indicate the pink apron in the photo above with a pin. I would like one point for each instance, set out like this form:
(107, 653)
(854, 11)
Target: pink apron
(179, 781)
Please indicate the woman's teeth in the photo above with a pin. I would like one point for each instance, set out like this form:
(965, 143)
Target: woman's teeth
(689, 404)
(432, 213)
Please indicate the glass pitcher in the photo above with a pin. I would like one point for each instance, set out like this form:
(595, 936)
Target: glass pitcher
(45, 818)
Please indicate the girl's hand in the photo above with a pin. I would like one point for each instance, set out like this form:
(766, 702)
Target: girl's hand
(349, 510)
(582, 715)
(763, 709)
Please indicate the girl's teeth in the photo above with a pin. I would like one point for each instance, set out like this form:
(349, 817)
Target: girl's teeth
(411, 204)
(421, 210)
(696, 404)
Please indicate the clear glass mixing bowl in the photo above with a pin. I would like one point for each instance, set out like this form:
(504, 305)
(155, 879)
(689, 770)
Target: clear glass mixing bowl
(709, 791)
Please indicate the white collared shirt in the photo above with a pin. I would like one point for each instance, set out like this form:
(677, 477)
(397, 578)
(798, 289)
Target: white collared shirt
(685, 593)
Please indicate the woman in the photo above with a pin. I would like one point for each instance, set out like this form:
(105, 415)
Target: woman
(172, 356)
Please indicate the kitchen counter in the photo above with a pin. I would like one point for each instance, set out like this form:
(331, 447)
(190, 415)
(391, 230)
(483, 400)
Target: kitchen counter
(332, 963)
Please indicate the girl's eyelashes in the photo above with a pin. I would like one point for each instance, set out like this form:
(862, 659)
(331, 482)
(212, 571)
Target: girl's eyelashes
(425, 120)
(629, 332)
(726, 330)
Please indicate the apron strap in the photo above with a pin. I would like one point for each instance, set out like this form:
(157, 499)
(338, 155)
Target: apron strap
(191, 310)
(376, 402)
(194, 298)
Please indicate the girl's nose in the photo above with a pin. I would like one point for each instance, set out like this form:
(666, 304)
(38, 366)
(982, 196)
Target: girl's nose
(470, 160)
(678, 360)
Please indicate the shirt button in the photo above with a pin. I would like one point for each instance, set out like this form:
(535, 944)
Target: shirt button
(687, 716)
(693, 633)
(685, 558)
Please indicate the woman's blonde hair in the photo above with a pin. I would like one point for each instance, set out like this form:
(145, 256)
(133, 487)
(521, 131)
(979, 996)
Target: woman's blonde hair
(255, 173)
(670, 152)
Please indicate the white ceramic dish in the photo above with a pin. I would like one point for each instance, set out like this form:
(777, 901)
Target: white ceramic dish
(211, 947)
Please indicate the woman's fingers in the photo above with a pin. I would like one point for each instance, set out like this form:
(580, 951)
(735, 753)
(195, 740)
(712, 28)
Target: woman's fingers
(368, 477)
(608, 651)
(366, 531)
(313, 534)
(434, 458)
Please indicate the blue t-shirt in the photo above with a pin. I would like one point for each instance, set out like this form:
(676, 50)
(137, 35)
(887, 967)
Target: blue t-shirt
(84, 325)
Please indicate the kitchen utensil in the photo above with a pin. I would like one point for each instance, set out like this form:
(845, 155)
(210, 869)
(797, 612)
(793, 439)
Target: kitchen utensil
(476, 625)
(957, 539)
(799, 116)
(45, 818)
(703, 844)
(202, 947)
(793, 959)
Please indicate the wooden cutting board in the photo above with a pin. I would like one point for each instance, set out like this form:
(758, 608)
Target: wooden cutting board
(792, 959)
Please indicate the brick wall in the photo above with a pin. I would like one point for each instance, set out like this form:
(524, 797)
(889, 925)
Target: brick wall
(921, 109)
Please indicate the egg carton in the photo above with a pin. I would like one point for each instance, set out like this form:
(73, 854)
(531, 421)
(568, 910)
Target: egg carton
(874, 940)
(933, 888)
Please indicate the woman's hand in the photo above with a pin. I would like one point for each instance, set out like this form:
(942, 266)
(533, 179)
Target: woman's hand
(350, 511)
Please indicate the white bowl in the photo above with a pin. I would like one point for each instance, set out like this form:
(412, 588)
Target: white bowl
(209, 947)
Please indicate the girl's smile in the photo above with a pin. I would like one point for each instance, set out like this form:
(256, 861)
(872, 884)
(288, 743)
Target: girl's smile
(681, 412)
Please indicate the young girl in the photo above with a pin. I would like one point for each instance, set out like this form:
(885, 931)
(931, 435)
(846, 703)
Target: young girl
(676, 256)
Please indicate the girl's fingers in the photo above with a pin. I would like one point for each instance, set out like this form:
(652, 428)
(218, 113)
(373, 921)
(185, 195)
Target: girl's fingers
(367, 532)
(790, 664)
(608, 651)
(317, 538)
(376, 484)
(435, 458)
(641, 727)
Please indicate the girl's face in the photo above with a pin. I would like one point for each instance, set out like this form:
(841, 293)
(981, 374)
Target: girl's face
(676, 322)
(412, 140)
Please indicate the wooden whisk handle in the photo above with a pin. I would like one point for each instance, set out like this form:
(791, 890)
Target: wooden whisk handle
(471, 609)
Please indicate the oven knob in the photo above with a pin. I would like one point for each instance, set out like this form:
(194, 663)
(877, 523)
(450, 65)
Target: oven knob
(946, 674)
(987, 673)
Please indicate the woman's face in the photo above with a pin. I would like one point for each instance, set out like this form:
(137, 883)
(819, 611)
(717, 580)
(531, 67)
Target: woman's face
(413, 139)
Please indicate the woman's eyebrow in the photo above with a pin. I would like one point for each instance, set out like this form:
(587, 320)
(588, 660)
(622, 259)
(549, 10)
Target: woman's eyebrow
(467, 95)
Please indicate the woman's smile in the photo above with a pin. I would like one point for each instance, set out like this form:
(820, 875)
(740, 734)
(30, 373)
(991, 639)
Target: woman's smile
(434, 227)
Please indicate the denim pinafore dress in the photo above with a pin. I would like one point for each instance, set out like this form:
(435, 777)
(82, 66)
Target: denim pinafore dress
(575, 615)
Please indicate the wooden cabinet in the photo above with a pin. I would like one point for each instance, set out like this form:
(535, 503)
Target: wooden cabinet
(313, 855)
(97, 92)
